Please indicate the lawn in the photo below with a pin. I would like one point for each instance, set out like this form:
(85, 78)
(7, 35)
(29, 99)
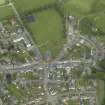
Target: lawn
(78, 7)
(5, 12)
(26, 5)
(47, 31)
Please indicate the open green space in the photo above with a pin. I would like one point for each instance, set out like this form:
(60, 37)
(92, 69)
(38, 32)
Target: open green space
(100, 22)
(2, 2)
(93, 25)
(91, 14)
(47, 31)
(26, 5)
(99, 6)
(86, 26)
(78, 7)
(81, 8)
(6, 12)
(100, 91)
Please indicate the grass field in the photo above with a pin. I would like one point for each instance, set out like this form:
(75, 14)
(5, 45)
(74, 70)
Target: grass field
(93, 25)
(78, 7)
(94, 13)
(47, 31)
(26, 5)
(100, 91)
(2, 2)
(6, 12)
(100, 22)
(99, 6)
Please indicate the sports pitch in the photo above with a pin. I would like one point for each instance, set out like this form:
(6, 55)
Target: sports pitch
(47, 31)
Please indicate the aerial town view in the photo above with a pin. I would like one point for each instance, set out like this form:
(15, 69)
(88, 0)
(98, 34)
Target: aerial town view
(52, 52)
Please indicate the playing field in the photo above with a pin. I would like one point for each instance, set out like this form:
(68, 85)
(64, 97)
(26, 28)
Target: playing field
(47, 31)
(26, 5)
(78, 7)
(5, 12)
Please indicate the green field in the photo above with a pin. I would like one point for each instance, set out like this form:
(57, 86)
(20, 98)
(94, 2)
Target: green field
(26, 5)
(99, 6)
(100, 91)
(93, 25)
(100, 22)
(81, 8)
(5, 12)
(78, 8)
(2, 2)
(91, 13)
(47, 31)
